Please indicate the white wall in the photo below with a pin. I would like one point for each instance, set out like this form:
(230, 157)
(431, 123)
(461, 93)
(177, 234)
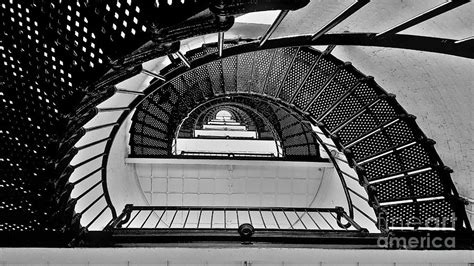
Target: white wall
(228, 184)
(227, 145)
(232, 256)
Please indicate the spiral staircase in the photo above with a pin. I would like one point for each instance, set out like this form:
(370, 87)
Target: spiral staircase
(61, 60)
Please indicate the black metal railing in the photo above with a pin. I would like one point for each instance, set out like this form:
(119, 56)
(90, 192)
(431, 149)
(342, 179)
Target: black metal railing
(261, 218)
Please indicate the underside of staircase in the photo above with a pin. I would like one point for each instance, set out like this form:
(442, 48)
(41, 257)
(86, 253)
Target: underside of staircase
(60, 60)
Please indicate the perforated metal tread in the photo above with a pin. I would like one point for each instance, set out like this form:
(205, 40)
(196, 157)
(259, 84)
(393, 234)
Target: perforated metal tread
(419, 185)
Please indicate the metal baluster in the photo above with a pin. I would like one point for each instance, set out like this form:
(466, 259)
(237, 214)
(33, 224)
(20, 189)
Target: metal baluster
(92, 204)
(184, 59)
(350, 176)
(143, 224)
(88, 190)
(114, 109)
(97, 217)
(300, 219)
(250, 217)
(199, 219)
(329, 49)
(89, 129)
(225, 219)
(325, 220)
(339, 18)
(152, 74)
(462, 41)
(220, 40)
(287, 218)
(212, 217)
(263, 220)
(273, 27)
(330, 145)
(342, 160)
(88, 160)
(159, 219)
(133, 219)
(278, 225)
(87, 176)
(238, 222)
(172, 220)
(442, 8)
(124, 91)
(186, 220)
(92, 143)
(360, 196)
(312, 219)
(363, 213)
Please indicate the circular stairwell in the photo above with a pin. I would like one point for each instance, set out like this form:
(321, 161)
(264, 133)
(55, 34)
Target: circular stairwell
(396, 163)
(60, 60)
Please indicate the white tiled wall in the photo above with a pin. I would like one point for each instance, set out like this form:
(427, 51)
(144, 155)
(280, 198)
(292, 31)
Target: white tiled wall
(229, 185)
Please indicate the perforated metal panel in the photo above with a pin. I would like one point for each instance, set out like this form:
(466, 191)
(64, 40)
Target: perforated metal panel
(315, 82)
(192, 79)
(375, 116)
(411, 157)
(423, 185)
(158, 111)
(437, 213)
(261, 66)
(415, 156)
(401, 214)
(20, 210)
(355, 129)
(296, 150)
(151, 141)
(215, 75)
(350, 106)
(229, 71)
(280, 64)
(179, 85)
(245, 63)
(202, 77)
(147, 130)
(298, 70)
(392, 136)
(383, 166)
(341, 83)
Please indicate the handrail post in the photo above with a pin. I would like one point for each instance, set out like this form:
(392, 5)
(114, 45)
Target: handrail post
(273, 27)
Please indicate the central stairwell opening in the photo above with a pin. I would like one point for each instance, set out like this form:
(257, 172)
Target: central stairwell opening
(223, 134)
